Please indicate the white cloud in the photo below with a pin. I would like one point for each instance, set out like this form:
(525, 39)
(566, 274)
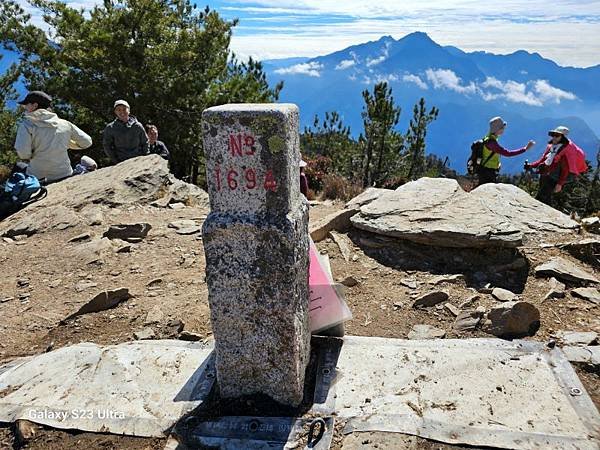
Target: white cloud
(381, 58)
(311, 69)
(345, 64)
(533, 93)
(549, 93)
(410, 78)
(447, 79)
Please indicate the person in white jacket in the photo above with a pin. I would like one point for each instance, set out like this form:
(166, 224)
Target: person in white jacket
(43, 139)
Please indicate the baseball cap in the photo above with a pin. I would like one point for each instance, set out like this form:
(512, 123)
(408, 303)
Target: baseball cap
(41, 98)
(121, 102)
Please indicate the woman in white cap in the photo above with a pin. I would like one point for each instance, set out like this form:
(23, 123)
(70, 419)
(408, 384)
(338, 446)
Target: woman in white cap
(561, 160)
(492, 150)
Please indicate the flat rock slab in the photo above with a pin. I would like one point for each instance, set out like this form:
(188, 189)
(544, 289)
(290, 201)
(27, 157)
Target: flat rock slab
(503, 295)
(151, 385)
(459, 391)
(565, 270)
(437, 212)
(581, 338)
(590, 294)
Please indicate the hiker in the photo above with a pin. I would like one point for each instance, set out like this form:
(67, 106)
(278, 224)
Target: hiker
(43, 139)
(560, 163)
(156, 147)
(490, 158)
(303, 179)
(124, 137)
(85, 165)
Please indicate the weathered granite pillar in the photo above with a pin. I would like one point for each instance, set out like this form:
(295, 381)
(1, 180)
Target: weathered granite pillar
(256, 246)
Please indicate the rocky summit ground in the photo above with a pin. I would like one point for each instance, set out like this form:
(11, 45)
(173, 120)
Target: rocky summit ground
(60, 253)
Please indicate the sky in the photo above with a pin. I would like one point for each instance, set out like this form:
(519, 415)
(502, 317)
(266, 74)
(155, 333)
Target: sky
(566, 31)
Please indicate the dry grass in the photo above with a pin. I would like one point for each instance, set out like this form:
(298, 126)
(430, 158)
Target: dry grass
(336, 187)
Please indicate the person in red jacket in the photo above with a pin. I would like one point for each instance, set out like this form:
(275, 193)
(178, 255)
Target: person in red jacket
(561, 162)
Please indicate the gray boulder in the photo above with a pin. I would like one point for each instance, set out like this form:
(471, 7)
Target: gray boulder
(514, 319)
(139, 180)
(438, 212)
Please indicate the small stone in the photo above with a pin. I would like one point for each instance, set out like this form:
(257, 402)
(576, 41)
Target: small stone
(343, 243)
(452, 309)
(176, 325)
(514, 319)
(419, 332)
(155, 282)
(6, 299)
(8, 240)
(80, 238)
(185, 227)
(115, 273)
(590, 294)
(177, 206)
(162, 202)
(155, 315)
(503, 295)
(145, 334)
(190, 336)
(103, 301)
(83, 285)
(577, 338)
(354, 258)
(467, 320)
(25, 431)
(409, 283)
(55, 284)
(469, 301)
(20, 237)
(584, 355)
(130, 232)
(23, 282)
(557, 289)
(350, 281)
(430, 299)
(446, 279)
(565, 270)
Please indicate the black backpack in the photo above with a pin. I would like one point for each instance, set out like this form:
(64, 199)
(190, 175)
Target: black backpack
(475, 160)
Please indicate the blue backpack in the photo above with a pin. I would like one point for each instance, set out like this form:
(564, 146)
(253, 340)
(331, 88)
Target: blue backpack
(19, 191)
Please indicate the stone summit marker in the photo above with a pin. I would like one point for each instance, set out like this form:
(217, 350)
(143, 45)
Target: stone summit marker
(256, 246)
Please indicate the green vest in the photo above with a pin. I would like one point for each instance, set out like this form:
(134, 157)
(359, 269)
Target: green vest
(490, 160)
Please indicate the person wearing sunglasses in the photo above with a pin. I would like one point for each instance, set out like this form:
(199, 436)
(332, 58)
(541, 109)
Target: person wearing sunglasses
(560, 163)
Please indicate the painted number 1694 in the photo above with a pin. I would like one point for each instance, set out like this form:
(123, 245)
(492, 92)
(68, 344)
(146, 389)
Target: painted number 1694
(245, 179)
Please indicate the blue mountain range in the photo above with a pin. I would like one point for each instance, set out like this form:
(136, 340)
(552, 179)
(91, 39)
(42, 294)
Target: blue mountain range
(531, 93)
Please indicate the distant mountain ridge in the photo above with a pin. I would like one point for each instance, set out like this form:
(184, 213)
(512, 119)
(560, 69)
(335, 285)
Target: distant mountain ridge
(532, 93)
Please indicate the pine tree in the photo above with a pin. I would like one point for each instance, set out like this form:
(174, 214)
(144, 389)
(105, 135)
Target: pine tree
(380, 142)
(166, 58)
(415, 139)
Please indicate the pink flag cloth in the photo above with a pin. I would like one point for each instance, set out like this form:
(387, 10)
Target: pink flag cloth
(326, 307)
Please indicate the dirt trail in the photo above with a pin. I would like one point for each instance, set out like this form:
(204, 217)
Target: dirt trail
(165, 274)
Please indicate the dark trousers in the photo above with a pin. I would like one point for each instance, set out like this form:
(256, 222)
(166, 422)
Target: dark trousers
(546, 189)
(487, 175)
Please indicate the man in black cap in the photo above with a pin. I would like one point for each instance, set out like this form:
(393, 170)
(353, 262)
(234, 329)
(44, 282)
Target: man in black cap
(43, 139)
